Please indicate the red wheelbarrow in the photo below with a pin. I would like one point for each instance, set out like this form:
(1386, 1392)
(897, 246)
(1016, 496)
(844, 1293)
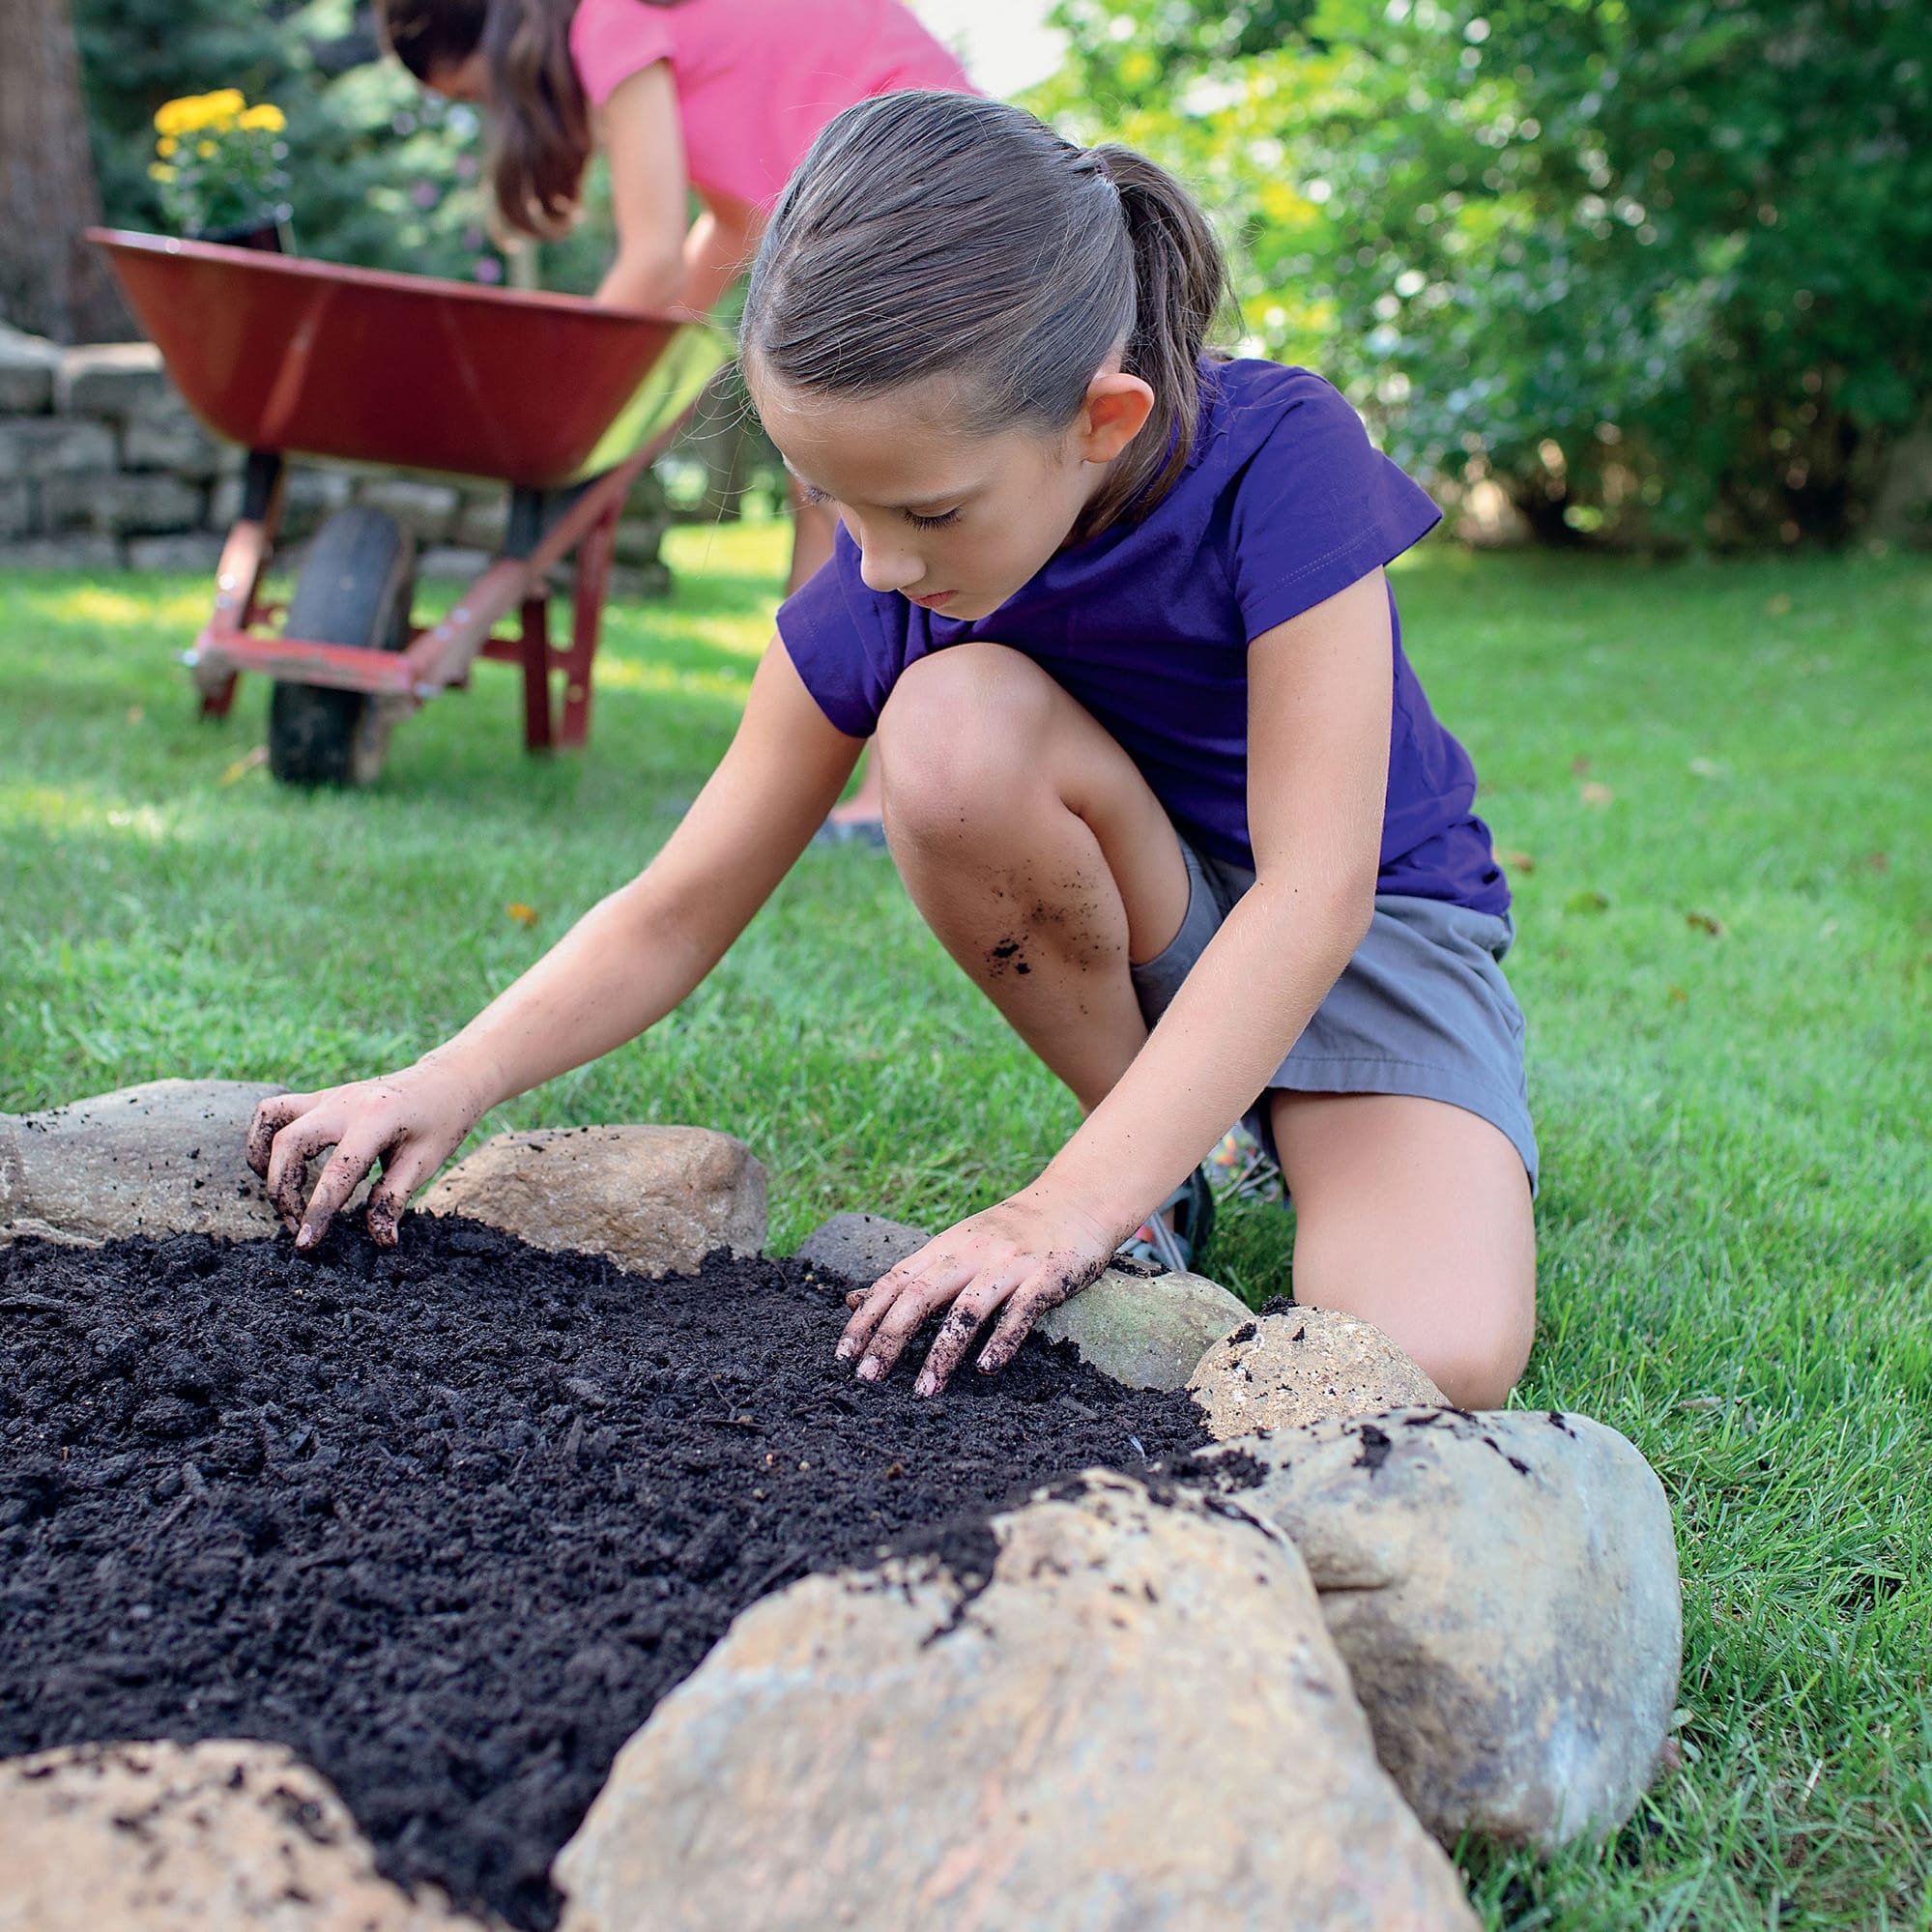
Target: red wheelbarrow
(564, 401)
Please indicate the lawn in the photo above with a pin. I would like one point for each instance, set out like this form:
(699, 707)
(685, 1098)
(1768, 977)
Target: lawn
(1711, 785)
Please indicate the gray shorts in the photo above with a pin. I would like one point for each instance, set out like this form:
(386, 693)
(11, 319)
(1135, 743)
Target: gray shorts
(1422, 1008)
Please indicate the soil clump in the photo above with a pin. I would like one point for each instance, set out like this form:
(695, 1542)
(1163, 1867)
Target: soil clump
(448, 1520)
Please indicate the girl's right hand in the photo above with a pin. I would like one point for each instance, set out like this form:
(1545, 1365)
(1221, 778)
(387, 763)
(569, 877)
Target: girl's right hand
(409, 1121)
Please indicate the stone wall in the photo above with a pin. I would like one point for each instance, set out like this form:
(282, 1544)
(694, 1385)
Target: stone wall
(103, 468)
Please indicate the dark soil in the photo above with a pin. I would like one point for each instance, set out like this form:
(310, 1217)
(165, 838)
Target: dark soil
(448, 1520)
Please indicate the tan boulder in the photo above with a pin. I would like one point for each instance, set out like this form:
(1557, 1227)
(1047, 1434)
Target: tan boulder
(656, 1200)
(1504, 1588)
(163, 1158)
(213, 1838)
(1284, 1370)
(1147, 1331)
(1110, 1713)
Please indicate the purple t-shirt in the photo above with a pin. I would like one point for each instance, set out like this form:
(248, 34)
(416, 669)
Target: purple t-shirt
(1283, 502)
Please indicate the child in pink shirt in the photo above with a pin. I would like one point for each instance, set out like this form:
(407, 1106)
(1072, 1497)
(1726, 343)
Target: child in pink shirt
(717, 97)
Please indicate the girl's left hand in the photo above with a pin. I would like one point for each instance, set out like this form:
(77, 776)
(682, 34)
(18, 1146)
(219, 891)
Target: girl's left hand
(1020, 1258)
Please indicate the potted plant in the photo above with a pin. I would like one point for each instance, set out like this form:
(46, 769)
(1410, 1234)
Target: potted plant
(217, 163)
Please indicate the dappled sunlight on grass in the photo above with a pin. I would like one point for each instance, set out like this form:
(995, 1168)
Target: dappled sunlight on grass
(96, 606)
(745, 551)
(65, 809)
(629, 674)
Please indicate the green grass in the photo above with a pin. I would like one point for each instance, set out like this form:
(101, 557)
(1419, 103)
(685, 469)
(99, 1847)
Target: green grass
(1725, 955)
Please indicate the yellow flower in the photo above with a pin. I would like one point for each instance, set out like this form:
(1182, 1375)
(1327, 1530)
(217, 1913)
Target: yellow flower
(192, 112)
(267, 116)
(159, 171)
(167, 146)
(207, 150)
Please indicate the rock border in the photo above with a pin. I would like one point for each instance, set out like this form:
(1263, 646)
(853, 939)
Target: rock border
(1515, 1673)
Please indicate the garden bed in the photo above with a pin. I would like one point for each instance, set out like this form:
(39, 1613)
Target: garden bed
(449, 1520)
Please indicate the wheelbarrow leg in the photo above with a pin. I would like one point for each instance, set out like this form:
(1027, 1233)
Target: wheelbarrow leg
(537, 734)
(238, 577)
(587, 611)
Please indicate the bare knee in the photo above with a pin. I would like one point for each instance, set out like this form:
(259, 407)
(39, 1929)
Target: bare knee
(1471, 1340)
(1415, 1216)
(957, 743)
(1478, 1365)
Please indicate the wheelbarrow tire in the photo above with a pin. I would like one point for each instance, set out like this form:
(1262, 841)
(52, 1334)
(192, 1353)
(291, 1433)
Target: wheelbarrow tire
(355, 587)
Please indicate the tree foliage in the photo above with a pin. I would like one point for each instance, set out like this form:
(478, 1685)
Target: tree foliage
(1663, 268)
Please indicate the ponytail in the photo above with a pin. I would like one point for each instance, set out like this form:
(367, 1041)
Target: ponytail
(541, 121)
(1180, 287)
(939, 234)
(541, 138)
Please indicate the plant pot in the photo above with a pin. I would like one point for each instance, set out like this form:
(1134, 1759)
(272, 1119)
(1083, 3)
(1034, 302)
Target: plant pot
(270, 234)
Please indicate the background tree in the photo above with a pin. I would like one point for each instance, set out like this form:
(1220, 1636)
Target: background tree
(1663, 268)
(51, 283)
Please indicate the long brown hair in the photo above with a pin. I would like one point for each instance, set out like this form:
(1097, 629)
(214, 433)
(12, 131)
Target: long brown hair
(929, 234)
(540, 139)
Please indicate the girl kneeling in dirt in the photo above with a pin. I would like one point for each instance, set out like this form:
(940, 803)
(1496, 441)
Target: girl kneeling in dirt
(1157, 771)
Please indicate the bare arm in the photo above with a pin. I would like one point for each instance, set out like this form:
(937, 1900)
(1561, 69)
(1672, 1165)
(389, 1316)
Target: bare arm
(1319, 690)
(660, 264)
(1319, 693)
(619, 969)
(717, 251)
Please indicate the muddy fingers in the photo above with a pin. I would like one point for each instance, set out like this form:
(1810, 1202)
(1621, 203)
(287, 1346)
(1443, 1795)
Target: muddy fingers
(1064, 1277)
(270, 1117)
(406, 1166)
(353, 1158)
(955, 1339)
(295, 1146)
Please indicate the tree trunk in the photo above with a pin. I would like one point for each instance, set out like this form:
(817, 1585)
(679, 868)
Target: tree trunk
(51, 282)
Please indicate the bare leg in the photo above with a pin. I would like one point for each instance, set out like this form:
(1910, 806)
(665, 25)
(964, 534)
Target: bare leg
(866, 805)
(1415, 1216)
(1035, 849)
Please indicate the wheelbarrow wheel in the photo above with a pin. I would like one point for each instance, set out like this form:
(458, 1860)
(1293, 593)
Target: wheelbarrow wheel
(355, 587)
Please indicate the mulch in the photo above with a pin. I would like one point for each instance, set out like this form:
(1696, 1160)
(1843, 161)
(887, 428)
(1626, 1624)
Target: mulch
(448, 1520)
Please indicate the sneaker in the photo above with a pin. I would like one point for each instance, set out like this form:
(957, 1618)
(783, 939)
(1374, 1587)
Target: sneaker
(1172, 1249)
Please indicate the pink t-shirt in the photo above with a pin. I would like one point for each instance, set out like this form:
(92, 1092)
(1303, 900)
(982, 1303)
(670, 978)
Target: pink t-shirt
(756, 79)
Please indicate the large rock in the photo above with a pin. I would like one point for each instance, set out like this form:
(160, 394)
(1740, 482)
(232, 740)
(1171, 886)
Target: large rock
(151, 504)
(28, 366)
(1284, 1370)
(55, 446)
(161, 1159)
(656, 1200)
(427, 508)
(1146, 1331)
(89, 551)
(111, 378)
(163, 434)
(1137, 1722)
(859, 1247)
(1149, 1332)
(1504, 1588)
(213, 1838)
